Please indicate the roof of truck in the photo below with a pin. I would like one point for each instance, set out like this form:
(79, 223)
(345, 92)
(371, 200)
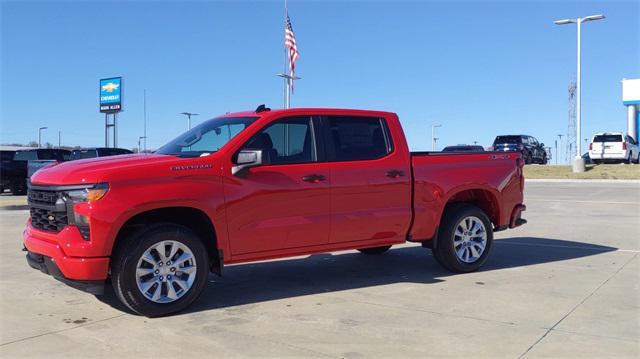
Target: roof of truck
(306, 110)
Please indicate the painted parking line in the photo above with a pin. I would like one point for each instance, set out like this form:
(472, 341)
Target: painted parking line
(592, 248)
(579, 201)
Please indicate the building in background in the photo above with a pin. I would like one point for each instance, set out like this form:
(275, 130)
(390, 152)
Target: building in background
(631, 99)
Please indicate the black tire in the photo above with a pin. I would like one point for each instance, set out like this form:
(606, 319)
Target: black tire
(444, 251)
(125, 261)
(629, 160)
(527, 158)
(374, 250)
(544, 160)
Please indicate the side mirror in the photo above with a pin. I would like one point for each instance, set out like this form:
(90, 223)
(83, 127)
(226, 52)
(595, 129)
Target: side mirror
(247, 159)
(542, 144)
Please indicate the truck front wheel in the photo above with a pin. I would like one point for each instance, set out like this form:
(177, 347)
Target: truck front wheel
(161, 270)
(464, 238)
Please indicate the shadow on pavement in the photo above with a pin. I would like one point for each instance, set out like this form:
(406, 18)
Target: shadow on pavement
(324, 273)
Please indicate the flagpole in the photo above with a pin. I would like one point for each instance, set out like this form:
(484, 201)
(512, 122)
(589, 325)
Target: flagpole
(287, 81)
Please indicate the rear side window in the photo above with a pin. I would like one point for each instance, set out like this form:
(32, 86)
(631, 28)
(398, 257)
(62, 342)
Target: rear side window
(289, 140)
(103, 152)
(607, 138)
(82, 154)
(359, 138)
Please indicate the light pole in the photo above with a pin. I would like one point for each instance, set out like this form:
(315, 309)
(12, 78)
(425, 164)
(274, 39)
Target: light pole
(560, 140)
(433, 136)
(139, 139)
(189, 114)
(40, 135)
(578, 164)
(59, 138)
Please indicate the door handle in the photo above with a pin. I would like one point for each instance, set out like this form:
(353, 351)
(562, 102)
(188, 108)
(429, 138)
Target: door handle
(395, 173)
(314, 178)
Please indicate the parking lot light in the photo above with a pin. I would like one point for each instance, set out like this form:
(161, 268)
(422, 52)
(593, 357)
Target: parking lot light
(578, 164)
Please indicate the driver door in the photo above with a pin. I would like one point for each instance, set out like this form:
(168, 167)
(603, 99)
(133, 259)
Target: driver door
(284, 204)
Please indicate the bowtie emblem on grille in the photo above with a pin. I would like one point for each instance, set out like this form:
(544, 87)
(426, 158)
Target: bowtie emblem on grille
(51, 218)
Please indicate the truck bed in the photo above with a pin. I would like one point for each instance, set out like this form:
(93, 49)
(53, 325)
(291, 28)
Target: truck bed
(492, 180)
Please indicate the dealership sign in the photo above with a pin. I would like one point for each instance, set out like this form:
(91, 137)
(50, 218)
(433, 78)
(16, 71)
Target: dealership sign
(111, 95)
(631, 91)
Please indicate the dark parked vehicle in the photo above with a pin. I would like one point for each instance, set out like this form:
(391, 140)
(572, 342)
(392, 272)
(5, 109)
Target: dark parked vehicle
(13, 173)
(532, 150)
(19, 165)
(463, 148)
(97, 152)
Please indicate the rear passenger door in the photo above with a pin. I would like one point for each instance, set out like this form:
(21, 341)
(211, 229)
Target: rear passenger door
(371, 181)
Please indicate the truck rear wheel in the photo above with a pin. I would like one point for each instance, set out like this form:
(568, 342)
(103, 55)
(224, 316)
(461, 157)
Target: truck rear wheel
(161, 270)
(464, 239)
(374, 250)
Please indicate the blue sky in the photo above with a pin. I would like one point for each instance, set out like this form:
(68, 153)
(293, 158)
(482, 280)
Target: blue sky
(478, 68)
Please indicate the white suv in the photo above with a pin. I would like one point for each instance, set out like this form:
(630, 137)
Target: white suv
(613, 147)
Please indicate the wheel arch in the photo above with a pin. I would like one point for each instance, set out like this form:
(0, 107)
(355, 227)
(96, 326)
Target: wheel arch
(482, 198)
(190, 217)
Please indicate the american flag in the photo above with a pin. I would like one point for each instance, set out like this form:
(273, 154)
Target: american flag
(290, 44)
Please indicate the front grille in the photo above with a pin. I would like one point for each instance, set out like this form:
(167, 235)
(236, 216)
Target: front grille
(47, 198)
(48, 220)
(48, 211)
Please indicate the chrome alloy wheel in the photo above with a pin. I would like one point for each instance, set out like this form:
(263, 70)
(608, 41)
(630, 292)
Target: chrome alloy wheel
(166, 271)
(470, 239)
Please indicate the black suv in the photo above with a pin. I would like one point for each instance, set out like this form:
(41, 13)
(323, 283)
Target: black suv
(532, 151)
(19, 165)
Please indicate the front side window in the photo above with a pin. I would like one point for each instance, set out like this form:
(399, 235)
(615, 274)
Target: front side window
(358, 138)
(289, 140)
(206, 138)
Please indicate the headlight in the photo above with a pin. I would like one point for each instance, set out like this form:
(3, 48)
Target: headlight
(73, 197)
(88, 194)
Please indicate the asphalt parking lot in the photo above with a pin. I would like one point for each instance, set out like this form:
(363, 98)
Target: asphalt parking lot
(567, 284)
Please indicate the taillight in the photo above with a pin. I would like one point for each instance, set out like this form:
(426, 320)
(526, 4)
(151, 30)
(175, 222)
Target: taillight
(624, 145)
(590, 146)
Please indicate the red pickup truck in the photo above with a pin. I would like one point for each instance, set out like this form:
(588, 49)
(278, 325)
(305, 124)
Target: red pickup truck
(259, 185)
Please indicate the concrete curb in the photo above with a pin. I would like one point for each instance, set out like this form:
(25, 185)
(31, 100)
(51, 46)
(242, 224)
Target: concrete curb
(585, 181)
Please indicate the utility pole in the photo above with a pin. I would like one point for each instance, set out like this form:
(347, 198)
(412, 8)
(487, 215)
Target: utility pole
(556, 151)
(144, 131)
(578, 164)
(59, 141)
(40, 136)
(189, 114)
(433, 136)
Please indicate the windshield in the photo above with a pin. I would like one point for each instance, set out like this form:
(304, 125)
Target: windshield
(206, 138)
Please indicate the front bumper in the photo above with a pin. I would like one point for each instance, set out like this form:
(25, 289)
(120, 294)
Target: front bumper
(70, 267)
(48, 266)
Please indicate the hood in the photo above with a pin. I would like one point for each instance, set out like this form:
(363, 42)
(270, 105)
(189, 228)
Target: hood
(102, 169)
